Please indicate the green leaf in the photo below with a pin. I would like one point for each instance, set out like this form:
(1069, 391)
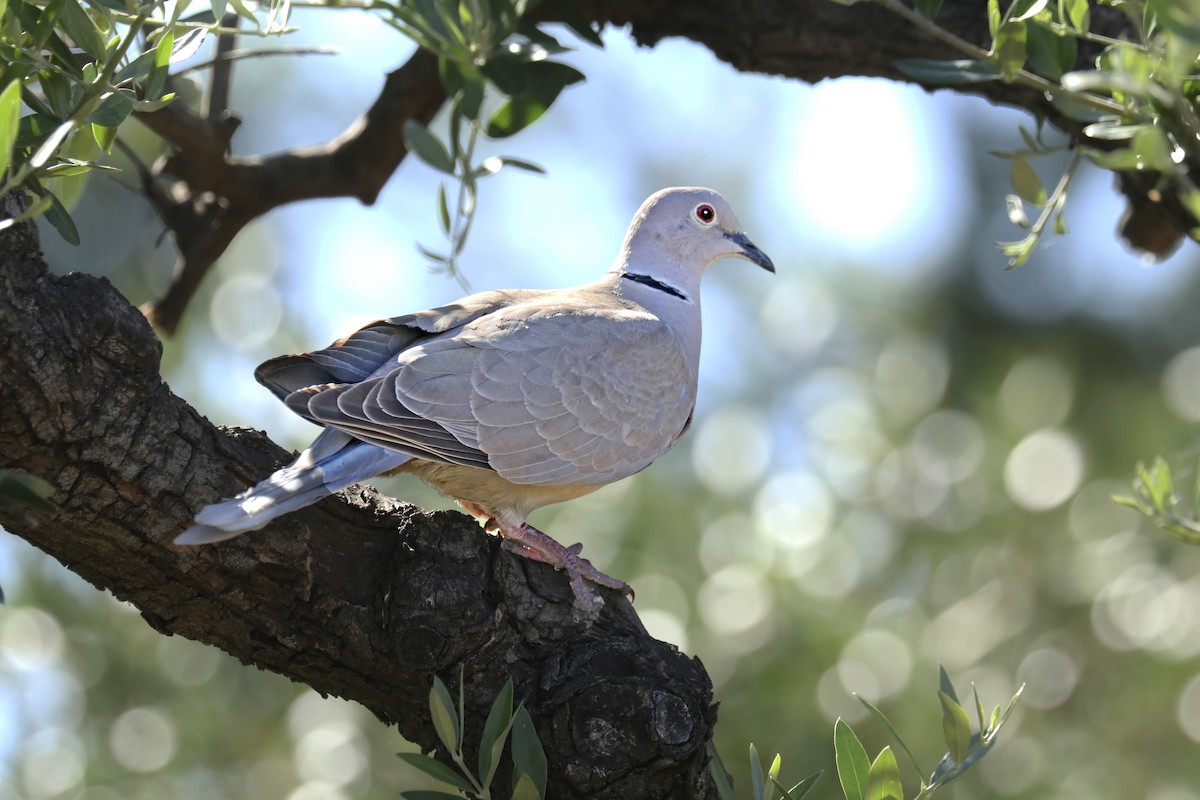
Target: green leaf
(443, 209)
(851, 760)
(160, 66)
(1027, 183)
(435, 769)
(947, 73)
(887, 726)
(57, 89)
(82, 29)
(545, 80)
(187, 44)
(757, 779)
(1116, 160)
(1009, 47)
(883, 781)
(433, 255)
(945, 684)
(1078, 13)
(1153, 149)
(429, 794)
(1051, 55)
(956, 727)
(135, 69)
(717, 770)
(518, 163)
(71, 167)
(800, 789)
(114, 109)
(525, 790)
(243, 11)
(427, 147)
(10, 123)
(57, 216)
(153, 105)
(105, 137)
(773, 776)
(529, 758)
(993, 15)
(1030, 12)
(1012, 704)
(21, 490)
(445, 721)
(1111, 129)
(928, 8)
(1177, 17)
(567, 14)
(1018, 252)
(495, 731)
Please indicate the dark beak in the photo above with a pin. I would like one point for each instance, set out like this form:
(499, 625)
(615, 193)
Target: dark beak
(750, 251)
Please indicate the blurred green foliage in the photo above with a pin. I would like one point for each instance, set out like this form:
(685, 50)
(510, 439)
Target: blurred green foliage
(1138, 103)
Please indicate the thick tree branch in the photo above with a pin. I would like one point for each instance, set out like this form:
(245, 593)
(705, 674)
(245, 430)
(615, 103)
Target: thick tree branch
(812, 40)
(217, 194)
(359, 596)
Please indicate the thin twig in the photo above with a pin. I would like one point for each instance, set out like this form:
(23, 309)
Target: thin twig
(218, 88)
(241, 55)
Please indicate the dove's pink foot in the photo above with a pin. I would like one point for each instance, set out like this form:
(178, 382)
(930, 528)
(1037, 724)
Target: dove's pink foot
(531, 543)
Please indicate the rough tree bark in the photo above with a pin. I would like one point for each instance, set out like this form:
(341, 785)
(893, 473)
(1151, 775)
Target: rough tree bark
(360, 596)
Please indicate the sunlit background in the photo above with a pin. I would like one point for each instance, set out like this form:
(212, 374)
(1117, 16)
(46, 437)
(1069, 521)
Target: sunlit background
(903, 454)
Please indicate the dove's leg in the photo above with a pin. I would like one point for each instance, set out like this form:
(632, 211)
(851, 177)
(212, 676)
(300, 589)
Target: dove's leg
(532, 543)
(525, 540)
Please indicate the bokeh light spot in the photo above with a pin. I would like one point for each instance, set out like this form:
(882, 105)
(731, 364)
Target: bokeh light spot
(1187, 709)
(732, 449)
(1016, 766)
(333, 753)
(30, 639)
(1145, 607)
(1036, 393)
(910, 376)
(143, 739)
(793, 510)
(876, 664)
(1049, 675)
(734, 599)
(799, 316)
(947, 446)
(1181, 384)
(53, 763)
(185, 662)
(1043, 470)
(246, 311)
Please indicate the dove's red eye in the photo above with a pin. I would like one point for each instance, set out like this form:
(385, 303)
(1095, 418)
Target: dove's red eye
(705, 213)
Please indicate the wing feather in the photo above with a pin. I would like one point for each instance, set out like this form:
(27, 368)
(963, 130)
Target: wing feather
(548, 392)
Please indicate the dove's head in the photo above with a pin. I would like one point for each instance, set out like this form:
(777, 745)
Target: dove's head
(686, 230)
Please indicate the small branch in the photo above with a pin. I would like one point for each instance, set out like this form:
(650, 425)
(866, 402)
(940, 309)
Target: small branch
(242, 55)
(217, 105)
(219, 194)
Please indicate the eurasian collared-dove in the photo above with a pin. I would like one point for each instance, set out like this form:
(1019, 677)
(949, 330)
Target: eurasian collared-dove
(507, 401)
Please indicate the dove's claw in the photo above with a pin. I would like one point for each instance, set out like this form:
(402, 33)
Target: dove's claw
(531, 543)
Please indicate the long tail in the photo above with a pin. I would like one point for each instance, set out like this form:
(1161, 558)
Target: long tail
(333, 461)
